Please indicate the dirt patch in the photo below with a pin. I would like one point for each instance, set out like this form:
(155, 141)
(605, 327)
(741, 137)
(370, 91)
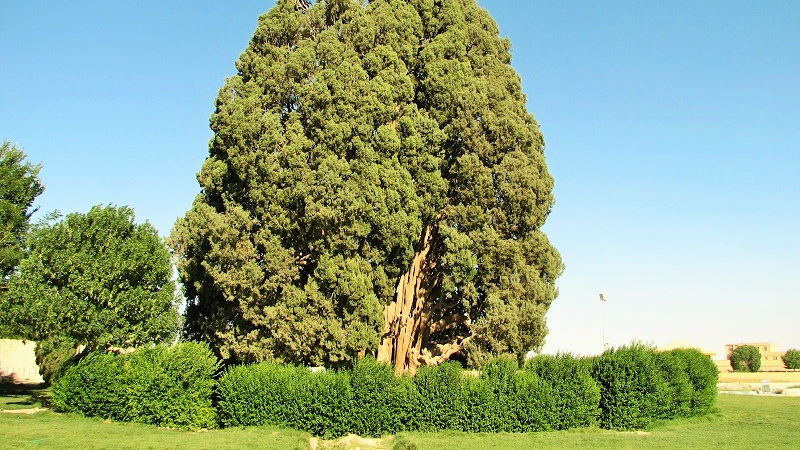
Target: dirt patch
(351, 441)
(756, 377)
(23, 411)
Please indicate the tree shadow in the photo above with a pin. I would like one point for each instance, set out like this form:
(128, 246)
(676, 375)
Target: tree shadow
(24, 394)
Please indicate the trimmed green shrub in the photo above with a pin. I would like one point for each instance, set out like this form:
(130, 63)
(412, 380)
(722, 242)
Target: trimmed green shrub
(161, 386)
(703, 376)
(632, 387)
(441, 400)
(261, 394)
(383, 403)
(92, 387)
(328, 400)
(745, 358)
(172, 386)
(276, 394)
(574, 397)
(791, 359)
(505, 399)
(475, 415)
(622, 389)
(534, 403)
(679, 388)
(489, 399)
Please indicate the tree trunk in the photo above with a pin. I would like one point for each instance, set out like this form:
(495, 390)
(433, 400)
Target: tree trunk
(407, 323)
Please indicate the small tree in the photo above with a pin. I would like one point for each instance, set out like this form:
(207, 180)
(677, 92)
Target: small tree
(19, 186)
(95, 279)
(745, 358)
(791, 359)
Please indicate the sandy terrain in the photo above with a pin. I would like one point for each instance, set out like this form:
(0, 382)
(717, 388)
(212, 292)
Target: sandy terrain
(756, 377)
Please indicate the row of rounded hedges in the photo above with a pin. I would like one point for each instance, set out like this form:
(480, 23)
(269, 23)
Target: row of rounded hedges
(638, 385)
(165, 386)
(548, 393)
(624, 388)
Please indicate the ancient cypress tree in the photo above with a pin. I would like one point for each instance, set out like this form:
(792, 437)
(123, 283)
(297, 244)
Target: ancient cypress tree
(375, 185)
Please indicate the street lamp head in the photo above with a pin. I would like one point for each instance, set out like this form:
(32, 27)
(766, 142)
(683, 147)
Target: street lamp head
(602, 298)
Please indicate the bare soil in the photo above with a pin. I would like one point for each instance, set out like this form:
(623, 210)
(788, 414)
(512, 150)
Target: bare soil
(757, 377)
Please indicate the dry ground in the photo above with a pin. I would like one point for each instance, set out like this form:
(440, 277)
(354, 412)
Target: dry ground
(756, 377)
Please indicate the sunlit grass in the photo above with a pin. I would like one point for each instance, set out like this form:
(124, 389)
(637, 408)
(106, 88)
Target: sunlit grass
(752, 422)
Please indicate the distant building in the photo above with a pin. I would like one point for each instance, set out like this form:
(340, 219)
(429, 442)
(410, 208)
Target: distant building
(683, 344)
(771, 354)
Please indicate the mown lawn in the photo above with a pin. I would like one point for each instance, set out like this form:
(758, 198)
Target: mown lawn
(751, 422)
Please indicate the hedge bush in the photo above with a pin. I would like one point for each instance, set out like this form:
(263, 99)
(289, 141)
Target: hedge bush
(383, 403)
(703, 377)
(678, 401)
(575, 397)
(92, 387)
(632, 387)
(276, 394)
(441, 404)
(162, 386)
(625, 388)
(489, 399)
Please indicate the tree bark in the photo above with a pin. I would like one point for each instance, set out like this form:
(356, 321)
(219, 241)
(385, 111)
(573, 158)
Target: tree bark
(407, 327)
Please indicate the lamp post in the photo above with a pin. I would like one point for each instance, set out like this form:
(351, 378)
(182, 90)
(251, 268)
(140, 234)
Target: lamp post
(603, 319)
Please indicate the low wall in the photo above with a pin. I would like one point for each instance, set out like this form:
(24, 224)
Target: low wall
(18, 361)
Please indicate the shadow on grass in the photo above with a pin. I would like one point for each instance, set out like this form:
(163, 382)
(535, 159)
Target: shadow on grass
(13, 395)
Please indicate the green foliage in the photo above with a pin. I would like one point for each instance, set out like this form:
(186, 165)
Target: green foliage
(745, 358)
(383, 403)
(162, 386)
(703, 376)
(675, 370)
(638, 384)
(575, 398)
(490, 400)
(549, 393)
(349, 129)
(54, 355)
(440, 396)
(632, 387)
(276, 394)
(96, 279)
(791, 359)
(19, 186)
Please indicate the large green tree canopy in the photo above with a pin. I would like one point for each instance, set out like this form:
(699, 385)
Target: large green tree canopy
(375, 184)
(19, 186)
(96, 279)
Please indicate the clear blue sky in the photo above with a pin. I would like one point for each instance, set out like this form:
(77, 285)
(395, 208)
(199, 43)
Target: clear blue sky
(672, 128)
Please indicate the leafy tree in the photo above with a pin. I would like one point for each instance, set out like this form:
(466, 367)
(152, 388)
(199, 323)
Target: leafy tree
(745, 358)
(376, 185)
(791, 359)
(19, 186)
(95, 279)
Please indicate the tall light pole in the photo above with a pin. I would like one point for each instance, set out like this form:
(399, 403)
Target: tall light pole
(603, 319)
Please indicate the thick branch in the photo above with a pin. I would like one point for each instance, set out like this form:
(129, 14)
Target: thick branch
(448, 322)
(445, 351)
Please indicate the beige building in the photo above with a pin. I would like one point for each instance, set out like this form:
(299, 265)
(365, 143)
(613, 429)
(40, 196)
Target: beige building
(18, 361)
(771, 354)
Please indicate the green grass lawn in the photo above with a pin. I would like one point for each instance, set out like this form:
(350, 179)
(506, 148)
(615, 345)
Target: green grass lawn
(751, 422)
